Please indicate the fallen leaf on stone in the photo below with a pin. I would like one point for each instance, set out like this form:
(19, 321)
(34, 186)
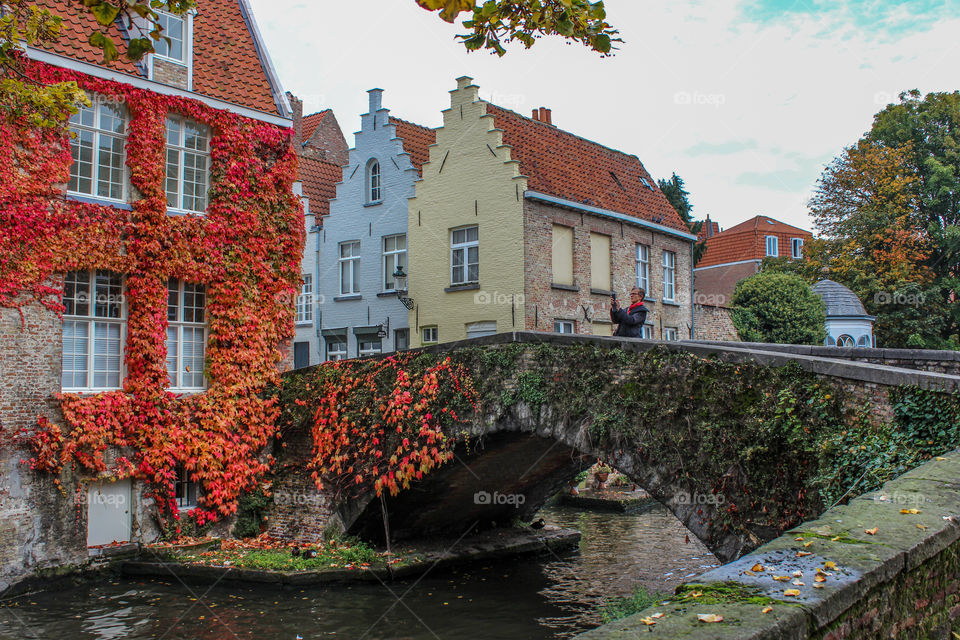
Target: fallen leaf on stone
(657, 616)
(695, 594)
(709, 617)
(798, 574)
(648, 621)
(803, 554)
(837, 539)
(820, 578)
(798, 583)
(817, 585)
(791, 592)
(940, 458)
(910, 511)
(748, 572)
(807, 544)
(757, 567)
(767, 609)
(871, 532)
(922, 527)
(799, 538)
(830, 564)
(781, 578)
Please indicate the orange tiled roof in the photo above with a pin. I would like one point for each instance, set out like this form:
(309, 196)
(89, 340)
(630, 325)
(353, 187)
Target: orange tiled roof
(747, 241)
(312, 121)
(226, 64)
(319, 179)
(416, 141)
(564, 165)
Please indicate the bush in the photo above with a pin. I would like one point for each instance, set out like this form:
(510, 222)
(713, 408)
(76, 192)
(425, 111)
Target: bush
(780, 308)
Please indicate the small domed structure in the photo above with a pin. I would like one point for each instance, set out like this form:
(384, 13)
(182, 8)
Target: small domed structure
(848, 324)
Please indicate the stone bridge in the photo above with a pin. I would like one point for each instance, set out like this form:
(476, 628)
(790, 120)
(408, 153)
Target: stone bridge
(739, 442)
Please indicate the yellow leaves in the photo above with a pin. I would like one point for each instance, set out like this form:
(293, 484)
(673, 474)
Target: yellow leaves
(449, 9)
(782, 578)
(922, 527)
(871, 532)
(910, 511)
(709, 617)
(791, 592)
(820, 578)
(766, 609)
(695, 594)
(798, 583)
(803, 554)
(830, 565)
(757, 567)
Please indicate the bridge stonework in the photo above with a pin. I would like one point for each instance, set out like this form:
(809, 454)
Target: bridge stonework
(731, 478)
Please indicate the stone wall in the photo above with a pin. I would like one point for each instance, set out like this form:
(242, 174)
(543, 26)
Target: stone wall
(900, 580)
(169, 72)
(300, 512)
(712, 322)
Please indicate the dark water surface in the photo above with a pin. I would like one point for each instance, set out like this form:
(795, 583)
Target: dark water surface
(528, 599)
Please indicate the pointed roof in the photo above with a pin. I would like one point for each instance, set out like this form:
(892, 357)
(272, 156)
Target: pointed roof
(564, 165)
(319, 179)
(312, 121)
(764, 223)
(416, 141)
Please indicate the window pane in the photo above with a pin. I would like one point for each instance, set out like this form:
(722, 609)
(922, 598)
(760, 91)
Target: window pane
(109, 295)
(75, 347)
(173, 178)
(473, 233)
(172, 346)
(106, 355)
(81, 170)
(76, 293)
(173, 299)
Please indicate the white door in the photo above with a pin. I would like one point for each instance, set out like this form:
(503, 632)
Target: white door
(108, 513)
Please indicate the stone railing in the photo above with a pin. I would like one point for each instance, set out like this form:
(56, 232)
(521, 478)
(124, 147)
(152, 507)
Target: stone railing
(887, 565)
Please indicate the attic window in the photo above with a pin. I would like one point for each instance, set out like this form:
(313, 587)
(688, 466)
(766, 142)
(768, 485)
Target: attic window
(171, 44)
(646, 183)
(617, 180)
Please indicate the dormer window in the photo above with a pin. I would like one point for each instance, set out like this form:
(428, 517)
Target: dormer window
(374, 192)
(171, 45)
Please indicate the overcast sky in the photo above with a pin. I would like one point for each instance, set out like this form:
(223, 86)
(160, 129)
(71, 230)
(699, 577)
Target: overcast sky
(746, 101)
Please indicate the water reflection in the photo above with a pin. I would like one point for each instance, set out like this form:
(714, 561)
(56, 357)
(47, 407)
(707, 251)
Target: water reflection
(531, 599)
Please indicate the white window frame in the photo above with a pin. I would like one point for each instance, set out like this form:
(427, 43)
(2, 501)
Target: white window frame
(181, 327)
(339, 354)
(846, 341)
(93, 296)
(430, 335)
(671, 333)
(305, 301)
(374, 182)
(796, 248)
(392, 258)
(350, 263)
(100, 107)
(646, 331)
(184, 30)
(772, 242)
(182, 153)
(643, 267)
(563, 326)
(463, 248)
(669, 276)
(375, 350)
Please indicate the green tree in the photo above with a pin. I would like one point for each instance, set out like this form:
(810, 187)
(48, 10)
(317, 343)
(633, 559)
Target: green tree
(778, 308)
(678, 196)
(495, 22)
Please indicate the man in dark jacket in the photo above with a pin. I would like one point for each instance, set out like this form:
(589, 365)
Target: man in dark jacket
(630, 320)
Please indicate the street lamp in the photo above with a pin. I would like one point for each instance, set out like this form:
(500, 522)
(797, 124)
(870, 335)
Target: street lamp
(400, 285)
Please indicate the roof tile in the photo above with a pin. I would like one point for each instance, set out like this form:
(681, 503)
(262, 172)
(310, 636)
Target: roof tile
(319, 179)
(416, 141)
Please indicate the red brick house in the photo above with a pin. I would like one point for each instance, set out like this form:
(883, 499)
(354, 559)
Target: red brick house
(736, 253)
(144, 322)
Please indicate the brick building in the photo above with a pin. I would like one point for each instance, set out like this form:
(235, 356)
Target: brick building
(213, 73)
(518, 224)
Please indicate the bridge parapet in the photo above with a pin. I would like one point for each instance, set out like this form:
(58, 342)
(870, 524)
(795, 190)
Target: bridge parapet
(887, 565)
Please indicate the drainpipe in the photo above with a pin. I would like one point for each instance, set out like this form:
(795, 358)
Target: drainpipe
(693, 325)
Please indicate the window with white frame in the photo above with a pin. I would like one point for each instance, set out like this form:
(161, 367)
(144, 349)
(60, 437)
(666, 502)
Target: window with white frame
(97, 140)
(772, 248)
(480, 329)
(172, 43)
(188, 160)
(563, 326)
(429, 335)
(336, 348)
(796, 248)
(186, 335)
(374, 190)
(646, 331)
(394, 255)
(465, 255)
(643, 267)
(185, 490)
(369, 346)
(305, 300)
(669, 275)
(94, 329)
(846, 341)
(670, 333)
(349, 267)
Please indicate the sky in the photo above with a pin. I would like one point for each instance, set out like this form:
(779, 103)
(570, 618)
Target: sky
(746, 100)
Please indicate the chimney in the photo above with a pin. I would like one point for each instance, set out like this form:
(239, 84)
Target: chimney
(545, 116)
(296, 106)
(376, 100)
(536, 115)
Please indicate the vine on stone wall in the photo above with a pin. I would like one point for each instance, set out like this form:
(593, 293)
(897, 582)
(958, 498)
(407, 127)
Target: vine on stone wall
(246, 249)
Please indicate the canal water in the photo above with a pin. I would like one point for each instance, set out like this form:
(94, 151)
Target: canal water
(549, 597)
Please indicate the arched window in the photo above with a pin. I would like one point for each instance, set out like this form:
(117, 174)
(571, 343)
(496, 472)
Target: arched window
(846, 341)
(373, 181)
(864, 341)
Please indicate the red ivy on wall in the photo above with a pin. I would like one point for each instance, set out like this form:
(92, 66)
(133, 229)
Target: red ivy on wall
(246, 250)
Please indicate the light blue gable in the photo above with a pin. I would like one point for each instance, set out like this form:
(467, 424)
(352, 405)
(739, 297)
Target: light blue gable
(354, 218)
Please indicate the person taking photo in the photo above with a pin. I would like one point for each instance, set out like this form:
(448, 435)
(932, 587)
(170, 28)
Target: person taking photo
(630, 320)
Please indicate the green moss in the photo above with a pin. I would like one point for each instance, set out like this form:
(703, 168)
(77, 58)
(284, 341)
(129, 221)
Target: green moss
(723, 593)
(640, 599)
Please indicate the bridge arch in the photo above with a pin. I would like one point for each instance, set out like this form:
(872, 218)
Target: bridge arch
(734, 441)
